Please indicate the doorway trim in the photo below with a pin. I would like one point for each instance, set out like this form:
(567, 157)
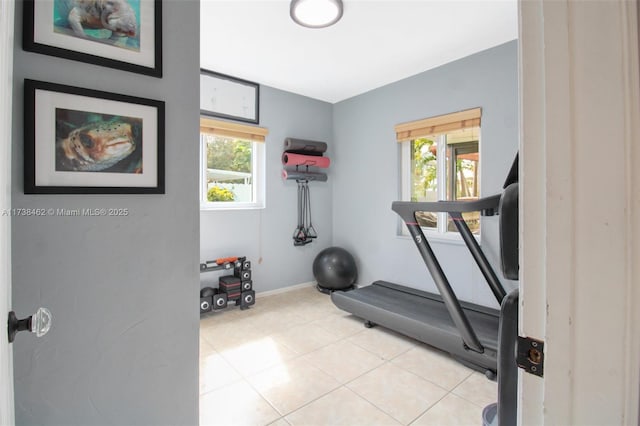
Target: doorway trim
(7, 10)
(580, 215)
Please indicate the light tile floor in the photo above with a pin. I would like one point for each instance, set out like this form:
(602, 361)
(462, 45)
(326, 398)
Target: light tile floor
(295, 359)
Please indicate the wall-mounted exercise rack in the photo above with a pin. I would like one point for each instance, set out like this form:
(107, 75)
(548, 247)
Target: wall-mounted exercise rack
(300, 159)
(220, 264)
(237, 287)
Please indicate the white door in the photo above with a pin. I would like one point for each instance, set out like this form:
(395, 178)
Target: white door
(6, 65)
(580, 210)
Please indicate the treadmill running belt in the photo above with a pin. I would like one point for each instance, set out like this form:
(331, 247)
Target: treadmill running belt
(424, 317)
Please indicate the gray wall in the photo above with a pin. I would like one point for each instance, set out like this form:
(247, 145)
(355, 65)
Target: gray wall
(264, 235)
(124, 344)
(366, 173)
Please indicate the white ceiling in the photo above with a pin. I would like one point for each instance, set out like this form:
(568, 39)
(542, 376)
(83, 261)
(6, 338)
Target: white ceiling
(376, 42)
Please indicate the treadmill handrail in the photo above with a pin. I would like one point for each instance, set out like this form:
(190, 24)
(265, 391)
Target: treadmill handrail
(487, 206)
(406, 209)
(449, 298)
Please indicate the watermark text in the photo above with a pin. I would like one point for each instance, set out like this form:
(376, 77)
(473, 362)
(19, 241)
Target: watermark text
(62, 212)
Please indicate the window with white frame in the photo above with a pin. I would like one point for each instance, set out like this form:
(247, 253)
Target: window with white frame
(441, 162)
(231, 165)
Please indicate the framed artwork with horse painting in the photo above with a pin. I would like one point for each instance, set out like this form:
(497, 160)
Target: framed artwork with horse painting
(82, 141)
(122, 34)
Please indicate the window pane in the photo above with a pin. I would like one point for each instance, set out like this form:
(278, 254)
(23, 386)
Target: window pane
(462, 176)
(229, 169)
(424, 182)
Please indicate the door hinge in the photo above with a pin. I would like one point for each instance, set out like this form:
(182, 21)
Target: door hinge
(531, 355)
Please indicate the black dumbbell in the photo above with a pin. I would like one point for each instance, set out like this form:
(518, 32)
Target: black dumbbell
(219, 301)
(243, 275)
(206, 295)
(205, 304)
(247, 299)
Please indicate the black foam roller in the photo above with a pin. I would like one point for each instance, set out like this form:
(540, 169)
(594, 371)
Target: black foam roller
(292, 144)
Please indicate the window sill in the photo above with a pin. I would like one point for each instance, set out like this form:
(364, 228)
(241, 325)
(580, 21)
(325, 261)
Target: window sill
(210, 207)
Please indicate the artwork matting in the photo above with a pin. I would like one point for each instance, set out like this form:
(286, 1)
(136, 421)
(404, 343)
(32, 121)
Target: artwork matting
(126, 34)
(82, 141)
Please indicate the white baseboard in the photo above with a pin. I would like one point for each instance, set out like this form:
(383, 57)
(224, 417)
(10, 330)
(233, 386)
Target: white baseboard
(286, 289)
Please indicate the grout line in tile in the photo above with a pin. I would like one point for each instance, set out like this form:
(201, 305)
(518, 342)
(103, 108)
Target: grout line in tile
(217, 389)
(434, 383)
(471, 402)
(447, 392)
(279, 419)
(367, 399)
(263, 397)
(240, 376)
(371, 352)
(462, 397)
(406, 371)
(430, 407)
(302, 406)
(322, 396)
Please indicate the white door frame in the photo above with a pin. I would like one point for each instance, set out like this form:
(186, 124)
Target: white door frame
(580, 210)
(6, 89)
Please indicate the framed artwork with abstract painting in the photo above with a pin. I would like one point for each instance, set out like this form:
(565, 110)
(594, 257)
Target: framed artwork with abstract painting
(82, 141)
(122, 34)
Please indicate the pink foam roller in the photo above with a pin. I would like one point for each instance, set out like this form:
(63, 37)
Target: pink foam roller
(289, 159)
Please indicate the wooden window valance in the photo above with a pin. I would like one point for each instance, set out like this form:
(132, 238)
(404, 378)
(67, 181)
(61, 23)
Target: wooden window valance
(233, 130)
(437, 125)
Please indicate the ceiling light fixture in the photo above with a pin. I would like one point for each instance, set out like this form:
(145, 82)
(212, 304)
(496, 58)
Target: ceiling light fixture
(316, 13)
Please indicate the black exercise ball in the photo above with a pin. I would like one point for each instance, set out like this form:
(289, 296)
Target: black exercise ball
(335, 269)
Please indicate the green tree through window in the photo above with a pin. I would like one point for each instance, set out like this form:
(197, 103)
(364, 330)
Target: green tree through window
(232, 165)
(424, 169)
(228, 154)
(229, 168)
(458, 174)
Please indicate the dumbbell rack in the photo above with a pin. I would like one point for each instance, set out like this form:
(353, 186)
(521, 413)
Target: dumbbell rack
(237, 287)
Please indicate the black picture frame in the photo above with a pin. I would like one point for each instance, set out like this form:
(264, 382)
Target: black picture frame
(229, 97)
(123, 135)
(42, 35)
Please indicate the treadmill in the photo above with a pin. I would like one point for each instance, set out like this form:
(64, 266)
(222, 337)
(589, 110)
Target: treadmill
(469, 332)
